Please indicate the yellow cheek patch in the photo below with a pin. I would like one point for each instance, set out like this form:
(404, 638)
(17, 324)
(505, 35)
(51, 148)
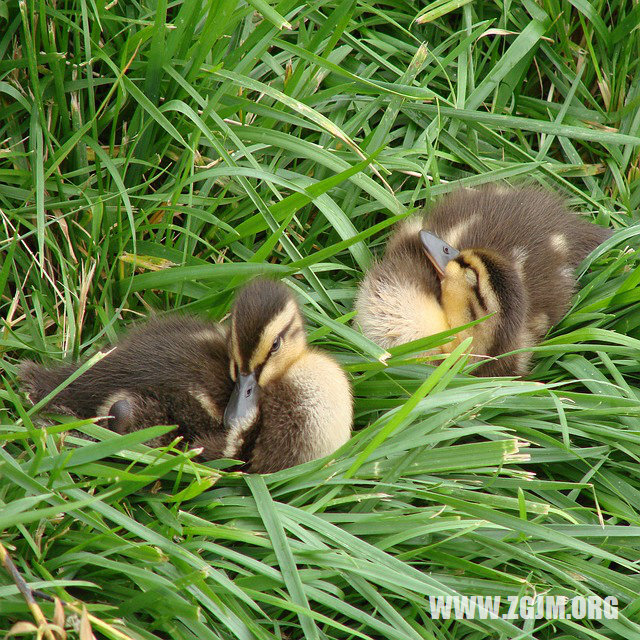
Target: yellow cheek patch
(277, 364)
(459, 297)
(483, 282)
(456, 298)
(471, 277)
(272, 330)
(455, 292)
(485, 288)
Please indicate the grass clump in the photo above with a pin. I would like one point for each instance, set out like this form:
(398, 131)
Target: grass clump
(155, 157)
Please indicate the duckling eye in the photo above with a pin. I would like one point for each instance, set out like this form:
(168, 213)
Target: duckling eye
(276, 344)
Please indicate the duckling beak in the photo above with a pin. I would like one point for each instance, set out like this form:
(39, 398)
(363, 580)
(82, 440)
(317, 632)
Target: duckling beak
(242, 407)
(438, 251)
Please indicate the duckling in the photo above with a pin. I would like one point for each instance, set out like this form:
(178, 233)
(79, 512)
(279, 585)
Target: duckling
(254, 391)
(509, 254)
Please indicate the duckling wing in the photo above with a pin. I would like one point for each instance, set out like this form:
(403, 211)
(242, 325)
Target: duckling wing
(131, 410)
(305, 415)
(172, 357)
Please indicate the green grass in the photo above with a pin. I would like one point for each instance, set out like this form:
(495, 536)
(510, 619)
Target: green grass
(156, 156)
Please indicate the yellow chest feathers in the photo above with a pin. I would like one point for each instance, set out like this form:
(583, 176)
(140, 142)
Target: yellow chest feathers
(392, 312)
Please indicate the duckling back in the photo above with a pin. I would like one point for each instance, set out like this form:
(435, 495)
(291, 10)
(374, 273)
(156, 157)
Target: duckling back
(171, 370)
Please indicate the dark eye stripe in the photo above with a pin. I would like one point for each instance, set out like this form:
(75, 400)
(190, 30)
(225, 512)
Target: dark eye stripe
(481, 301)
(463, 263)
(281, 336)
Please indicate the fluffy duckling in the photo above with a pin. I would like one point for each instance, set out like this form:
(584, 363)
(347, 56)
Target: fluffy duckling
(255, 391)
(509, 254)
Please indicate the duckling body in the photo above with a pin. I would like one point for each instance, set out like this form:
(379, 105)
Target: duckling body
(511, 253)
(228, 389)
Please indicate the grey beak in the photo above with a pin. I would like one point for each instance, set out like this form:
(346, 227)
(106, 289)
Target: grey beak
(438, 251)
(242, 407)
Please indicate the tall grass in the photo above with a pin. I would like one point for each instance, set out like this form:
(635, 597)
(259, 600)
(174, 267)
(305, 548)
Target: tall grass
(156, 156)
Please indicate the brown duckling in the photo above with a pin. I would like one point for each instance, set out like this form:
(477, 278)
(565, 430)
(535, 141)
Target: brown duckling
(255, 391)
(509, 254)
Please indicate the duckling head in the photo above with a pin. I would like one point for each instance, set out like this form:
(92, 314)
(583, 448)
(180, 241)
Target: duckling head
(476, 283)
(267, 336)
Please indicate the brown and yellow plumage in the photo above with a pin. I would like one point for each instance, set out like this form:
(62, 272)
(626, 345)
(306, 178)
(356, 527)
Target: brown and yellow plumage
(508, 253)
(295, 404)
